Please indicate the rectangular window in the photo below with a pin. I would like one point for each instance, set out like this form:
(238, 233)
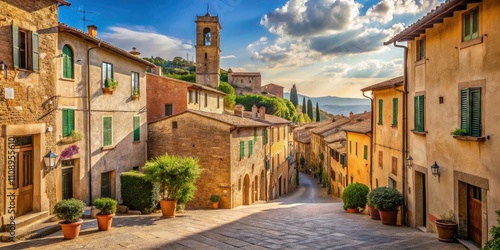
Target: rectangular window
(135, 84)
(107, 131)
(381, 159)
(174, 124)
(350, 147)
(68, 121)
(169, 109)
(394, 111)
(254, 134)
(421, 49)
(394, 166)
(278, 134)
(137, 128)
(250, 148)
(206, 100)
(356, 148)
(107, 73)
(196, 96)
(67, 62)
(218, 102)
(471, 24)
(470, 111)
(190, 96)
(264, 136)
(25, 49)
(419, 113)
(365, 152)
(242, 149)
(380, 108)
(67, 182)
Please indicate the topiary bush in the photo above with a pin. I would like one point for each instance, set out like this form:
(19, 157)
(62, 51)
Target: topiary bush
(139, 193)
(494, 243)
(69, 210)
(386, 199)
(354, 195)
(106, 205)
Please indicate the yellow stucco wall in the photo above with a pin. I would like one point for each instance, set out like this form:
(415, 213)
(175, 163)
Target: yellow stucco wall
(358, 168)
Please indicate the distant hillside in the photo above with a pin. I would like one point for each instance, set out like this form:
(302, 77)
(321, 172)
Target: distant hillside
(338, 105)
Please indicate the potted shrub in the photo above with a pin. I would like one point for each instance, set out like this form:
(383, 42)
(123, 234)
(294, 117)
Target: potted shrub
(185, 195)
(109, 86)
(374, 214)
(70, 211)
(387, 201)
(446, 227)
(173, 173)
(459, 132)
(215, 201)
(107, 207)
(135, 94)
(354, 197)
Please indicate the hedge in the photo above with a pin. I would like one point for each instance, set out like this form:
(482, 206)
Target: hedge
(139, 193)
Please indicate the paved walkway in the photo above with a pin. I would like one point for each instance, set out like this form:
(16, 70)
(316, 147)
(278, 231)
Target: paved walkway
(306, 219)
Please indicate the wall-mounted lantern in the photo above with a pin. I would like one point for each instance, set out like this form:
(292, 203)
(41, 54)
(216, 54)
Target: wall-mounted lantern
(435, 169)
(50, 160)
(409, 161)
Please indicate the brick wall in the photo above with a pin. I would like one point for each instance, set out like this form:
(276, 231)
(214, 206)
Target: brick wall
(161, 91)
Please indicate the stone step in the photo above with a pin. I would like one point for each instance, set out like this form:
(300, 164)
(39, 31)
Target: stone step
(36, 229)
(26, 219)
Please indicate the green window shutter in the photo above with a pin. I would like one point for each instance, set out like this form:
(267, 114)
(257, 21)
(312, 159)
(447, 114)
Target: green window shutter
(67, 62)
(419, 113)
(464, 110)
(365, 154)
(34, 49)
(68, 121)
(475, 23)
(250, 148)
(254, 134)
(65, 122)
(242, 149)
(137, 128)
(467, 27)
(395, 111)
(475, 112)
(380, 108)
(15, 46)
(107, 131)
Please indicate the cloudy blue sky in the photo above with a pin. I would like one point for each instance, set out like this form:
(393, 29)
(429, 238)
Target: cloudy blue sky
(325, 47)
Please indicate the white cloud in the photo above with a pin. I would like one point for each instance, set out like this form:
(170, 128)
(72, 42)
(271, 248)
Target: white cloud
(385, 10)
(228, 57)
(147, 41)
(368, 69)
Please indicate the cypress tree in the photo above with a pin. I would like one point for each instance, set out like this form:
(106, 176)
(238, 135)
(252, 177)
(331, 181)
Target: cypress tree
(317, 112)
(304, 105)
(310, 109)
(293, 96)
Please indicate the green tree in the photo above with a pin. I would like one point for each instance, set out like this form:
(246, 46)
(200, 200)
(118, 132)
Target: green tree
(304, 105)
(317, 112)
(293, 96)
(230, 98)
(274, 105)
(310, 108)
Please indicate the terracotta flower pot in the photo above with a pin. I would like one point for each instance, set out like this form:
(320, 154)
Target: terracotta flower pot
(71, 230)
(215, 205)
(168, 208)
(389, 217)
(104, 221)
(107, 91)
(374, 213)
(353, 210)
(446, 231)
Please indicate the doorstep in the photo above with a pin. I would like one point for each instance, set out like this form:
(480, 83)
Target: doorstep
(468, 244)
(36, 229)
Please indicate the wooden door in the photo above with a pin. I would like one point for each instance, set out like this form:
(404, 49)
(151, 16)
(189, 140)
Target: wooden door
(106, 185)
(279, 186)
(25, 180)
(67, 183)
(474, 213)
(246, 190)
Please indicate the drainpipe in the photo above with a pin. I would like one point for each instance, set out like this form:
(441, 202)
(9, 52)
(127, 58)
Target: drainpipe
(371, 141)
(89, 127)
(405, 129)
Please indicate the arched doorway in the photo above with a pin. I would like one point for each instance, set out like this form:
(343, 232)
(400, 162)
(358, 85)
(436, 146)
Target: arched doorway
(262, 186)
(256, 188)
(246, 190)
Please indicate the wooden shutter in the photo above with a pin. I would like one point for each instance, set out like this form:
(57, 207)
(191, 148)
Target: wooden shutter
(34, 50)
(15, 46)
(68, 121)
(475, 112)
(365, 154)
(250, 148)
(419, 113)
(137, 128)
(65, 122)
(467, 27)
(254, 134)
(395, 111)
(380, 108)
(242, 149)
(107, 131)
(67, 62)
(464, 110)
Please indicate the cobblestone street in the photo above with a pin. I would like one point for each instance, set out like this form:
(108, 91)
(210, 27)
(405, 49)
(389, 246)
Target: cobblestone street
(306, 219)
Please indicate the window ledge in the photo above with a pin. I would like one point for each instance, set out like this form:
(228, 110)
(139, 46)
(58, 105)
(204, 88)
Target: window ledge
(420, 62)
(471, 42)
(469, 138)
(26, 70)
(66, 79)
(394, 125)
(136, 142)
(105, 148)
(419, 132)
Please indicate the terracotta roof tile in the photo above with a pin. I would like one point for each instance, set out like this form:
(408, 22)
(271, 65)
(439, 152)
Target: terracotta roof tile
(339, 136)
(391, 83)
(339, 147)
(207, 88)
(359, 127)
(340, 120)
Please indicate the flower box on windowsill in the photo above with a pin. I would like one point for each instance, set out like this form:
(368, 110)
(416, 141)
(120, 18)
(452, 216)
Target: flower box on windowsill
(107, 91)
(469, 138)
(68, 140)
(135, 97)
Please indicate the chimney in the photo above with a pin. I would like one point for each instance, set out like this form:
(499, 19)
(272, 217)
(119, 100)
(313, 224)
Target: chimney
(351, 115)
(92, 30)
(262, 112)
(156, 70)
(135, 52)
(254, 112)
(238, 110)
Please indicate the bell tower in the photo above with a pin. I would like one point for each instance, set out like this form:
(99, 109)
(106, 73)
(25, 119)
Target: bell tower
(208, 50)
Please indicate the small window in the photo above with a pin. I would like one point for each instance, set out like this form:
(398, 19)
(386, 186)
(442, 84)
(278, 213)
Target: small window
(137, 128)
(206, 100)
(68, 121)
(394, 111)
(107, 131)
(107, 73)
(136, 168)
(218, 102)
(421, 49)
(356, 148)
(174, 124)
(250, 148)
(470, 111)
(196, 96)
(67, 62)
(471, 24)
(380, 108)
(350, 147)
(190, 95)
(135, 84)
(25, 49)
(365, 152)
(242, 149)
(394, 170)
(419, 113)
(381, 159)
(169, 109)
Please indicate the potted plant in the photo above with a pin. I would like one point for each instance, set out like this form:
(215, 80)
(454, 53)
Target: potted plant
(494, 242)
(107, 207)
(374, 214)
(109, 86)
(173, 173)
(446, 227)
(459, 132)
(135, 93)
(387, 201)
(215, 201)
(354, 197)
(74, 136)
(70, 211)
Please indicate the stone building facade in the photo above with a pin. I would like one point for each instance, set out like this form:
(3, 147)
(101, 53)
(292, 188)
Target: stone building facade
(208, 50)
(169, 96)
(28, 42)
(247, 81)
(273, 89)
(453, 82)
(112, 124)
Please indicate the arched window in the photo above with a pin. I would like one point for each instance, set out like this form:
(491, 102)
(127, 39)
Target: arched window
(207, 37)
(67, 62)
